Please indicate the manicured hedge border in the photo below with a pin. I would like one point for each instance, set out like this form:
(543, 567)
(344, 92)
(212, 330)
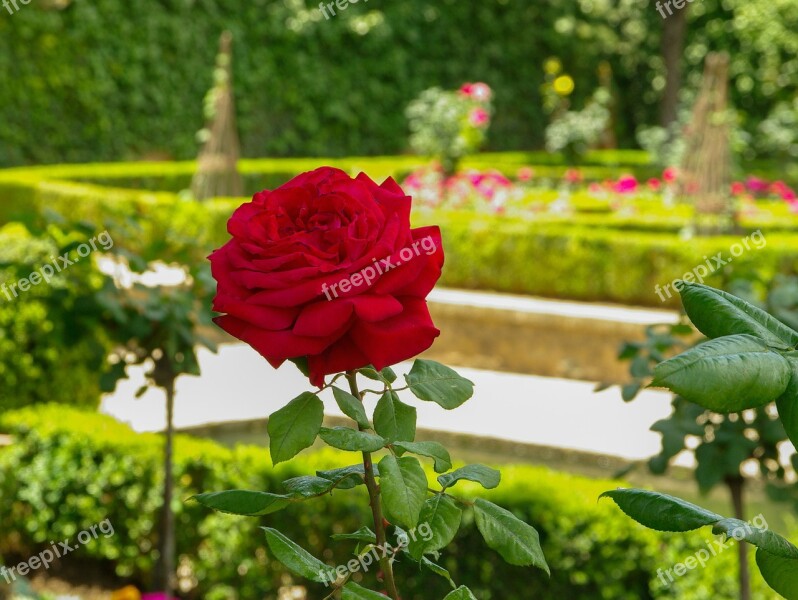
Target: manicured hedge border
(593, 257)
(68, 469)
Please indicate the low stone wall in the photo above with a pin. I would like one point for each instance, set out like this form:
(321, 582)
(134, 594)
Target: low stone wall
(537, 337)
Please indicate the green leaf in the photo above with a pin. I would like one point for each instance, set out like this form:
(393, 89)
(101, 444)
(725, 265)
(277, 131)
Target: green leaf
(351, 407)
(717, 313)
(295, 558)
(394, 420)
(243, 502)
(461, 593)
(404, 488)
(345, 478)
(764, 539)
(485, 476)
(787, 404)
(434, 450)
(660, 511)
(434, 382)
(353, 591)
(438, 570)
(516, 541)
(780, 573)
(352, 440)
(308, 486)
(388, 374)
(295, 427)
(726, 375)
(443, 517)
(364, 534)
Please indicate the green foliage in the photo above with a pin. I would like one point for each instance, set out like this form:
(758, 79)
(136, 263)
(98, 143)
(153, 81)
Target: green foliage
(69, 469)
(441, 127)
(52, 343)
(776, 556)
(576, 132)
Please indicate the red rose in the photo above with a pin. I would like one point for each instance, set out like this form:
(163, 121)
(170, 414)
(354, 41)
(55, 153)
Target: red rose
(327, 267)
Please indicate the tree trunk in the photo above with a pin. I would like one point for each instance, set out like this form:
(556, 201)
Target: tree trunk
(673, 36)
(166, 573)
(736, 487)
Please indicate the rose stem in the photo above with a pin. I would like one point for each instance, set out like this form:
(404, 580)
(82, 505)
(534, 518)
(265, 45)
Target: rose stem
(374, 500)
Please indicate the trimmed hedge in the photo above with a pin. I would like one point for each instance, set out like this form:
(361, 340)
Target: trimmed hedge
(68, 469)
(582, 258)
(51, 347)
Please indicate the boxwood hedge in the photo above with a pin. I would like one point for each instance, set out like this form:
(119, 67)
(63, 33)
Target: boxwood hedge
(67, 469)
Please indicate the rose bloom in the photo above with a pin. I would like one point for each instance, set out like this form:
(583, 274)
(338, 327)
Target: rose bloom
(480, 92)
(738, 188)
(327, 268)
(525, 173)
(654, 184)
(573, 176)
(478, 117)
(626, 184)
(670, 175)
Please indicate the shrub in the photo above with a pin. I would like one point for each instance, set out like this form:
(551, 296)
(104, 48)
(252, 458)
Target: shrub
(51, 348)
(68, 469)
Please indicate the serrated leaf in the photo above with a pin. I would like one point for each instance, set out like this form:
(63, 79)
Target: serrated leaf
(780, 573)
(364, 534)
(485, 476)
(717, 313)
(243, 502)
(764, 539)
(346, 478)
(295, 427)
(516, 541)
(438, 570)
(434, 450)
(404, 487)
(295, 558)
(442, 516)
(726, 375)
(461, 593)
(353, 591)
(394, 420)
(351, 407)
(434, 382)
(661, 511)
(308, 486)
(351, 440)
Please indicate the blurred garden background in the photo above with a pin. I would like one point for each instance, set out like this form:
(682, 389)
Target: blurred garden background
(578, 155)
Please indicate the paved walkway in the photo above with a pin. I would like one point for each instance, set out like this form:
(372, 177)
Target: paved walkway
(237, 384)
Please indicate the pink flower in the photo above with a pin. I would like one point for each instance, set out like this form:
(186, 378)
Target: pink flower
(788, 195)
(755, 185)
(480, 92)
(525, 173)
(626, 184)
(670, 174)
(738, 188)
(573, 176)
(479, 117)
(654, 184)
(594, 188)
